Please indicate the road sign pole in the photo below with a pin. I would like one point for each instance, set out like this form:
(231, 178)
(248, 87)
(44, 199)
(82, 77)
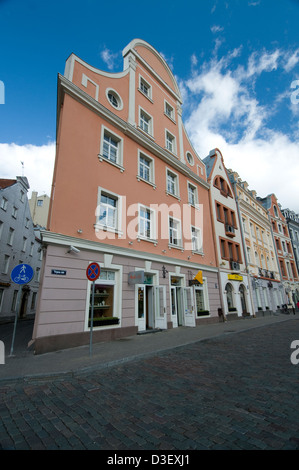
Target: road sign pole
(91, 319)
(15, 322)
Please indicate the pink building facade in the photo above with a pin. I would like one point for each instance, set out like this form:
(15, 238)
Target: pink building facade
(130, 193)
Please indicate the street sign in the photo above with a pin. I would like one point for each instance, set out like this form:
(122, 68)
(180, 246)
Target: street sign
(22, 274)
(93, 271)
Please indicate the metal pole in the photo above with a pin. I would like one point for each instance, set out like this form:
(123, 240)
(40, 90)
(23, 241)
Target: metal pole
(15, 323)
(91, 319)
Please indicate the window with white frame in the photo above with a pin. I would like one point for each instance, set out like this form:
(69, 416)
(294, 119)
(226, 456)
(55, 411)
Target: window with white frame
(170, 142)
(192, 194)
(145, 122)
(4, 203)
(146, 225)
(169, 111)
(172, 183)
(108, 211)
(10, 236)
(146, 168)
(6, 264)
(196, 239)
(145, 87)
(175, 232)
(111, 147)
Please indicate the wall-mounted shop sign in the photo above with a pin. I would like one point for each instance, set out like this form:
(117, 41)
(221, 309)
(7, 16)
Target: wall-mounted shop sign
(136, 277)
(58, 272)
(235, 277)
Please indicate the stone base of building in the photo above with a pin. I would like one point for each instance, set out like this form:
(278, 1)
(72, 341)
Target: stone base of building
(55, 343)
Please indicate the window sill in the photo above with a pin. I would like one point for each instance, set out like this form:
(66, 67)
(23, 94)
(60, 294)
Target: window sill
(145, 239)
(146, 133)
(139, 178)
(146, 96)
(105, 228)
(177, 247)
(173, 195)
(169, 117)
(117, 165)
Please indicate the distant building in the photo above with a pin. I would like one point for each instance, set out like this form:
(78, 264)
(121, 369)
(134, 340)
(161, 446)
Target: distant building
(39, 208)
(233, 278)
(284, 249)
(19, 243)
(259, 249)
(293, 224)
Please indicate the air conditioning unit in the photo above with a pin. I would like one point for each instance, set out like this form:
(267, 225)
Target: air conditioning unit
(235, 266)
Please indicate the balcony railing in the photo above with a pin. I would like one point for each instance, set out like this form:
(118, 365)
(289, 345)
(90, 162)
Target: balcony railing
(266, 273)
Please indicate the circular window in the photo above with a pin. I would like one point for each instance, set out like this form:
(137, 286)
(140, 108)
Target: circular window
(114, 99)
(190, 159)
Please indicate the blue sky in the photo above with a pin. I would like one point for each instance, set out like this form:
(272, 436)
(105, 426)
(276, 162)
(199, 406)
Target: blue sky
(235, 61)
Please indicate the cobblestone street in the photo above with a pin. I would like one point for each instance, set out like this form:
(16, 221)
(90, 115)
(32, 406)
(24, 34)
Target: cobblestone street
(236, 391)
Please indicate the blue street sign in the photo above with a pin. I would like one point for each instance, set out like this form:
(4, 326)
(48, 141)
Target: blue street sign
(22, 274)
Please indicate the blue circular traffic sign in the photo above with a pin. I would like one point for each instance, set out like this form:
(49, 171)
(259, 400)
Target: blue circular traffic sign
(22, 274)
(93, 271)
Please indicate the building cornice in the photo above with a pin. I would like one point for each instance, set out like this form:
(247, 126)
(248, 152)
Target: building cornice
(53, 238)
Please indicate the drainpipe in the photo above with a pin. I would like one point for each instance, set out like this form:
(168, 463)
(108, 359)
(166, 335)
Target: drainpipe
(244, 246)
(275, 250)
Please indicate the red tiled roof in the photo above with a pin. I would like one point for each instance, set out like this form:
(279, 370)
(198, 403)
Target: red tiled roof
(5, 183)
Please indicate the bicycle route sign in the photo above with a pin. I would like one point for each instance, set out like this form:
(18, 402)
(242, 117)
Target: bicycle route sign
(22, 274)
(93, 271)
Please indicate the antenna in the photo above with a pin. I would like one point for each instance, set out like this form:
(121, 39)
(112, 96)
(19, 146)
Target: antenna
(22, 163)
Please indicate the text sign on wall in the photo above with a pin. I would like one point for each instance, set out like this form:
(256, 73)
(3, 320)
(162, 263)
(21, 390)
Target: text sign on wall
(136, 277)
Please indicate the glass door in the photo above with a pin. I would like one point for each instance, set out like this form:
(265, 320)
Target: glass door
(160, 307)
(140, 306)
(174, 307)
(189, 314)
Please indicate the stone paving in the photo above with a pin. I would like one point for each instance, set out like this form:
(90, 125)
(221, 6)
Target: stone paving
(235, 391)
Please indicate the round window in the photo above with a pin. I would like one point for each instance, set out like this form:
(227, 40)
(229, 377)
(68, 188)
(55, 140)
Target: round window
(114, 99)
(190, 158)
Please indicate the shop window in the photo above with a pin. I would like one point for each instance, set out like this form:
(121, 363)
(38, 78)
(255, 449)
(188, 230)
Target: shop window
(201, 309)
(104, 293)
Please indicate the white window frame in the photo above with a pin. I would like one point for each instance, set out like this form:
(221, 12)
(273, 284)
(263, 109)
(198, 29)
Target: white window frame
(145, 84)
(118, 216)
(151, 161)
(169, 110)
(105, 131)
(191, 186)
(178, 229)
(152, 221)
(4, 203)
(191, 158)
(170, 142)
(146, 125)
(11, 234)
(199, 246)
(176, 183)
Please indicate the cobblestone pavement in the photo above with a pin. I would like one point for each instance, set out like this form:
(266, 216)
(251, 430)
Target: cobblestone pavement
(236, 391)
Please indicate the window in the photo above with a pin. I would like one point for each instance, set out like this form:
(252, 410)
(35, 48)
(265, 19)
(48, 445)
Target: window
(169, 111)
(111, 148)
(6, 264)
(4, 203)
(24, 244)
(146, 223)
(192, 194)
(104, 300)
(22, 196)
(170, 142)
(190, 159)
(10, 236)
(145, 122)
(196, 239)
(172, 183)
(40, 202)
(145, 88)
(174, 232)
(114, 99)
(14, 212)
(146, 168)
(108, 211)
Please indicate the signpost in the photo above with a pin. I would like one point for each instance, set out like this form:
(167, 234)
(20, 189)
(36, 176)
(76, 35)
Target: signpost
(21, 274)
(93, 272)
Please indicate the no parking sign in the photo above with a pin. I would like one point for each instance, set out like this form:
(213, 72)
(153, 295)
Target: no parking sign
(92, 273)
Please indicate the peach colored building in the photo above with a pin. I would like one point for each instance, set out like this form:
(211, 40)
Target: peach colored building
(130, 193)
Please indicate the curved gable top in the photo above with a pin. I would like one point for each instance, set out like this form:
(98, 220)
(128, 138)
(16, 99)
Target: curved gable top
(155, 62)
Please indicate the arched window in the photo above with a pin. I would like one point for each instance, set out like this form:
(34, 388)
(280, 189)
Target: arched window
(229, 297)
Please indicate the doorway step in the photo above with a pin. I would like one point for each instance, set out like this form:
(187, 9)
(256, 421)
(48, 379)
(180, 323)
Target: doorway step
(151, 330)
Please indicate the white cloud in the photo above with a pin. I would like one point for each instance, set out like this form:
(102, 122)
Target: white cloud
(109, 58)
(38, 165)
(226, 113)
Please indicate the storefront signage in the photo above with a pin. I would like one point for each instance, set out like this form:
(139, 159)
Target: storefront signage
(136, 277)
(59, 272)
(235, 277)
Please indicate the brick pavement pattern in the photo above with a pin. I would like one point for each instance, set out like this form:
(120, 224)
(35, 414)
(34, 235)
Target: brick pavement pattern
(236, 391)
